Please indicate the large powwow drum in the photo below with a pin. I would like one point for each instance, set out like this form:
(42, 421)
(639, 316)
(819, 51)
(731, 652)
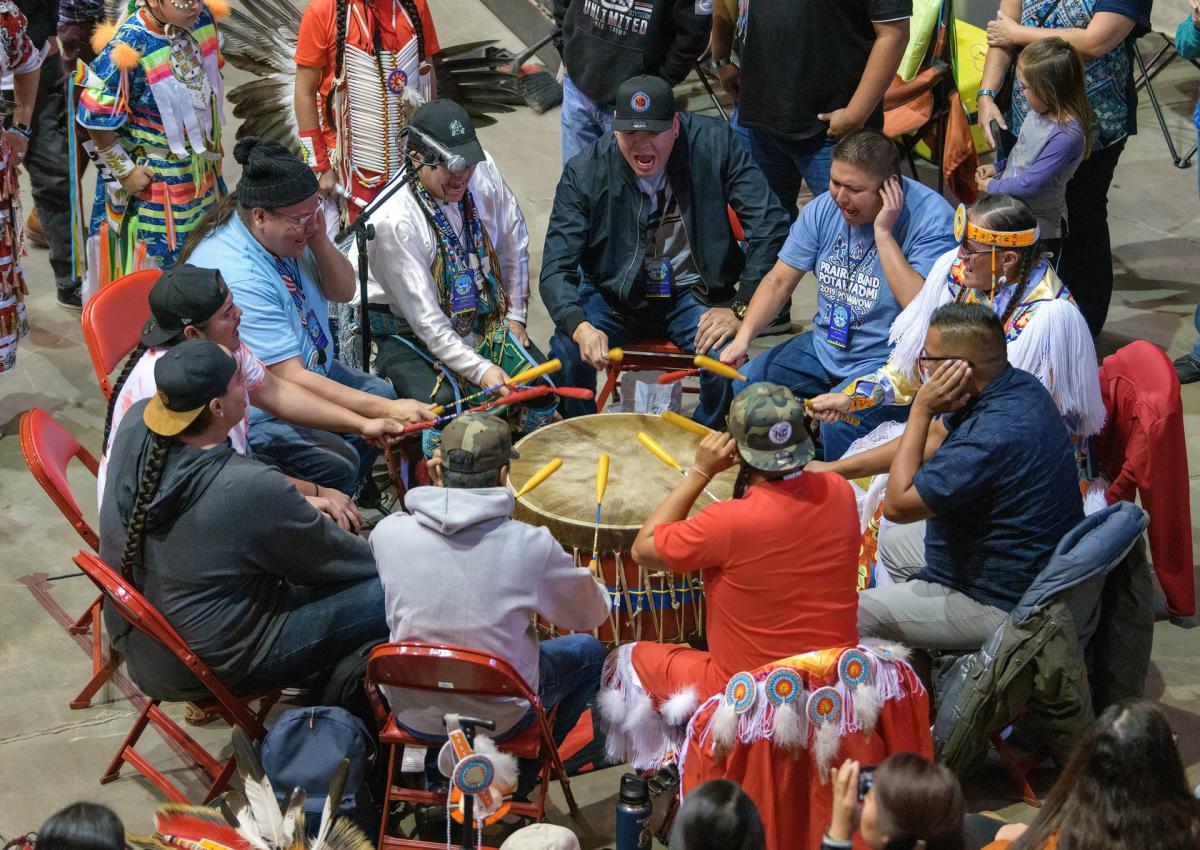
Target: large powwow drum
(645, 605)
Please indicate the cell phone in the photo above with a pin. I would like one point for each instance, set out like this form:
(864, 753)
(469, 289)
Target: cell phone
(866, 780)
(1003, 139)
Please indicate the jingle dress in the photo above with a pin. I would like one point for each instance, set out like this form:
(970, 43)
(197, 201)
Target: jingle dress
(160, 90)
(17, 56)
(384, 67)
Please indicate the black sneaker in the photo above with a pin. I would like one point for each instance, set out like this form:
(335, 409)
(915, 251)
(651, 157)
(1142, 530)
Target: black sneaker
(1187, 369)
(71, 299)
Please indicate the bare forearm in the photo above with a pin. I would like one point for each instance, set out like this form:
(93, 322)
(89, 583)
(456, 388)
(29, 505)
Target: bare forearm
(25, 88)
(874, 461)
(304, 102)
(910, 453)
(334, 270)
(364, 404)
(673, 508)
(102, 138)
(720, 38)
(768, 299)
(890, 43)
(904, 280)
(295, 403)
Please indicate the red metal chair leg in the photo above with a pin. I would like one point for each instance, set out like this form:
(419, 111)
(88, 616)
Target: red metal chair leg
(1016, 771)
(113, 771)
(99, 678)
(610, 382)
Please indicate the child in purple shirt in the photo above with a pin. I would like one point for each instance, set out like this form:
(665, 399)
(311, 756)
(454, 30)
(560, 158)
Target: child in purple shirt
(1054, 139)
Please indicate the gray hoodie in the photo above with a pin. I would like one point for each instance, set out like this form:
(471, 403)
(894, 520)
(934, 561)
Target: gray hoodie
(227, 542)
(457, 570)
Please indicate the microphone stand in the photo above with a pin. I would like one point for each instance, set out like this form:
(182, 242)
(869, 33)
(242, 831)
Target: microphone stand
(363, 232)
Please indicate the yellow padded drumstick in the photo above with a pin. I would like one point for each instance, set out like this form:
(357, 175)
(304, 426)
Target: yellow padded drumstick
(616, 355)
(718, 368)
(686, 424)
(665, 456)
(519, 378)
(601, 486)
(540, 476)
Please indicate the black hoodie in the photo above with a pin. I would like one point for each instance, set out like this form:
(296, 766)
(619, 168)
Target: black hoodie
(605, 42)
(227, 538)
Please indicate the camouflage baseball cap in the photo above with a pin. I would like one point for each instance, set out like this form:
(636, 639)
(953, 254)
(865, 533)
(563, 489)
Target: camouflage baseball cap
(767, 422)
(477, 442)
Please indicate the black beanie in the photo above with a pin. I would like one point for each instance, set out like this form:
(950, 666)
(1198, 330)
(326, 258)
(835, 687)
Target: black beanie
(272, 176)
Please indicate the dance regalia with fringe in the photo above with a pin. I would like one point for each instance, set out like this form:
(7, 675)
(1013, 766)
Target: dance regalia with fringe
(162, 95)
(17, 56)
(779, 732)
(362, 111)
(1046, 335)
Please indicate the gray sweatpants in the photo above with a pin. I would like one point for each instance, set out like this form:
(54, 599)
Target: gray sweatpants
(921, 614)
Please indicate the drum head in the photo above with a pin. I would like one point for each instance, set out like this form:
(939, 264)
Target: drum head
(637, 480)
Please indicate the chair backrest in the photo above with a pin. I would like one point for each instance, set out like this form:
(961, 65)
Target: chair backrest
(144, 617)
(48, 448)
(113, 319)
(442, 668)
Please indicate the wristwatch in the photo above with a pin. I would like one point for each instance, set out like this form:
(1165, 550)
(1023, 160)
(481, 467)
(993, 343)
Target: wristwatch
(715, 64)
(983, 92)
(22, 130)
(739, 309)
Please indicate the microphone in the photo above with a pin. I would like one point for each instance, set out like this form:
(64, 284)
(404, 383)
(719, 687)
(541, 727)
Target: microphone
(452, 161)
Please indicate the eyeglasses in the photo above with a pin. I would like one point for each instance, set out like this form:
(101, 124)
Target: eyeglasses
(968, 252)
(301, 222)
(926, 363)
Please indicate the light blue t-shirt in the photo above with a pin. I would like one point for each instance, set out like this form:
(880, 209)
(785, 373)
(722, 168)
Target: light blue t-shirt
(850, 276)
(271, 319)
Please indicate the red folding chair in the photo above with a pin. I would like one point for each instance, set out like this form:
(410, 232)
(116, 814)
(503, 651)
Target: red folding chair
(652, 355)
(234, 710)
(48, 448)
(113, 319)
(469, 672)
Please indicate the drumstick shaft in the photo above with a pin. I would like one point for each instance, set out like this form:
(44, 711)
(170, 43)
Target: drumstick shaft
(686, 424)
(519, 378)
(676, 376)
(665, 456)
(540, 476)
(601, 479)
(718, 368)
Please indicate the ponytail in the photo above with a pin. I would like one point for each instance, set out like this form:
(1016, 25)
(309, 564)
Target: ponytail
(130, 362)
(135, 531)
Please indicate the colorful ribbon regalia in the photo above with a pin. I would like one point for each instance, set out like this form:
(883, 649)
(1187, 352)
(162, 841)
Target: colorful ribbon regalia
(17, 56)
(159, 89)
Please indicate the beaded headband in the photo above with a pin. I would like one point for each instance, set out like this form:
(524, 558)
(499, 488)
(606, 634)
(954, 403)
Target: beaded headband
(995, 238)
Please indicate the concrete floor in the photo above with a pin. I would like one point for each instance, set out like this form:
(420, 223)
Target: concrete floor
(51, 755)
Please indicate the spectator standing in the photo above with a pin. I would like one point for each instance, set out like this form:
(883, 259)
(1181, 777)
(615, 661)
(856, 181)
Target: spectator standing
(603, 44)
(813, 71)
(723, 49)
(1055, 138)
(1187, 43)
(1103, 32)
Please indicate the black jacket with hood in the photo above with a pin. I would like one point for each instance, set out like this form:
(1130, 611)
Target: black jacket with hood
(227, 542)
(600, 214)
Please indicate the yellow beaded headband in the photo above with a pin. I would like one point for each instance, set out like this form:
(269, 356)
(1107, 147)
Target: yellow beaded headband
(995, 238)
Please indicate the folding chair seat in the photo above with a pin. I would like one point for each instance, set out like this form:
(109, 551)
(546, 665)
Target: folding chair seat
(234, 710)
(48, 448)
(651, 355)
(438, 668)
(112, 322)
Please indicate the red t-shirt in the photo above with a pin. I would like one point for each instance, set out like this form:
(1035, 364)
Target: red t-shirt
(318, 31)
(780, 569)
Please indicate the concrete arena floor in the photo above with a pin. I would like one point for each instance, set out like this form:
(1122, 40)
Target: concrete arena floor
(51, 755)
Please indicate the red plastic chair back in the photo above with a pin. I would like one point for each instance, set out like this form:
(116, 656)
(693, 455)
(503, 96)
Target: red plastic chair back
(144, 617)
(48, 448)
(436, 667)
(113, 319)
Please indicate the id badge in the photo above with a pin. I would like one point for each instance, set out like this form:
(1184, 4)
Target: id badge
(659, 277)
(463, 298)
(839, 326)
(315, 332)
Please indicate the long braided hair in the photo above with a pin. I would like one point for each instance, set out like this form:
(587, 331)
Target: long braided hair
(130, 362)
(1006, 213)
(135, 529)
(410, 7)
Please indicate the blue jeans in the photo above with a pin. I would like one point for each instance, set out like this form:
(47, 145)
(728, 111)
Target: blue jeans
(675, 317)
(1195, 352)
(337, 461)
(795, 365)
(784, 162)
(741, 133)
(583, 120)
(324, 624)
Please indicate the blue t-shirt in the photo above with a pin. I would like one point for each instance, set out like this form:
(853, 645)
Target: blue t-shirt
(1004, 490)
(271, 317)
(850, 277)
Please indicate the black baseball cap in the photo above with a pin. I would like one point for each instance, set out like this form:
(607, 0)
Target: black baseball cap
(447, 123)
(644, 103)
(187, 377)
(184, 295)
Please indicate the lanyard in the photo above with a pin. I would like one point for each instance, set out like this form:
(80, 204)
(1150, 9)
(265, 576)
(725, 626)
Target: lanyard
(289, 270)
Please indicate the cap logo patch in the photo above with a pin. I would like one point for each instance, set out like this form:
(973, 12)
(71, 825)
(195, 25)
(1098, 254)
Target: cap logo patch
(457, 129)
(780, 433)
(640, 101)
